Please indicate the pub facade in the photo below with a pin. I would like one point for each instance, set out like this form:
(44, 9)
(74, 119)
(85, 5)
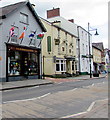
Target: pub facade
(20, 39)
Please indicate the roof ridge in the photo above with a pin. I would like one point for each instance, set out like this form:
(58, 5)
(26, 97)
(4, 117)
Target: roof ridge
(14, 4)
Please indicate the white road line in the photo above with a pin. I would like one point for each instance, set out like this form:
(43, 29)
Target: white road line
(33, 87)
(91, 106)
(44, 95)
(88, 110)
(27, 99)
(70, 116)
(74, 89)
(60, 83)
(93, 84)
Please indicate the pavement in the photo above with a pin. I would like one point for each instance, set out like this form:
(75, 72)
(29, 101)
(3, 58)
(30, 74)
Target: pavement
(46, 81)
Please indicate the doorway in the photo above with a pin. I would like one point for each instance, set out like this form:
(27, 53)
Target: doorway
(24, 64)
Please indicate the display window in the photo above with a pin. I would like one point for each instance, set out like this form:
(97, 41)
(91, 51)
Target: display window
(22, 63)
(32, 63)
(13, 63)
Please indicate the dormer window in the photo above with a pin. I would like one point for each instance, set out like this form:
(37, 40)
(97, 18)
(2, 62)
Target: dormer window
(23, 18)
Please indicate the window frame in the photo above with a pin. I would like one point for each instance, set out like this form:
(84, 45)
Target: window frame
(61, 62)
(22, 19)
(49, 46)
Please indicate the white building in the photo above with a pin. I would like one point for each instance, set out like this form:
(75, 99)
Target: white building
(84, 49)
(20, 58)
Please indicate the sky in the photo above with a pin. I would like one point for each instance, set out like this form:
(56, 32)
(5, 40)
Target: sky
(82, 11)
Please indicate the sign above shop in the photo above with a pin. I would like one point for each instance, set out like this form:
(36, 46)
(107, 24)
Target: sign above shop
(21, 49)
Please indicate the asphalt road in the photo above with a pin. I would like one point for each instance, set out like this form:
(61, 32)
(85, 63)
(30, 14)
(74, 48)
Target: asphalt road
(63, 100)
(34, 92)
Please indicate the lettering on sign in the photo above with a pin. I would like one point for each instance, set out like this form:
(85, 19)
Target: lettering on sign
(21, 49)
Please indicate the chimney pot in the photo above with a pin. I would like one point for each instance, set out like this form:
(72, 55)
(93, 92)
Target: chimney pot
(71, 20)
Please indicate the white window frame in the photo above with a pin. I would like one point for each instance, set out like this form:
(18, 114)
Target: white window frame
(60, 63)
(23, 18)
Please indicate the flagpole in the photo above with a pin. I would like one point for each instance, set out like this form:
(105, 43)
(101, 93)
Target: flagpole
(8, 39)
(30, 42)
(21, 40)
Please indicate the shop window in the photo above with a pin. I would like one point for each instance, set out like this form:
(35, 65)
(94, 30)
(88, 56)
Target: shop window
(23, 18)
(13, 63)
(22, 63)
(49, 43)
(33, 64)
(61, 65)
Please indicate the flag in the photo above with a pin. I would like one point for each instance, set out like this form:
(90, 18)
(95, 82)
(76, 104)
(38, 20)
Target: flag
(11, 33)
(23, 33)
(40, 36)
(32, 34)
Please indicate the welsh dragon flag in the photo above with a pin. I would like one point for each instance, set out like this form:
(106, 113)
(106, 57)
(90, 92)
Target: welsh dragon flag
(40, 36)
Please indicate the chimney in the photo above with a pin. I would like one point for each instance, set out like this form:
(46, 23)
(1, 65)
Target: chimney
(53, 13)
(71, 20)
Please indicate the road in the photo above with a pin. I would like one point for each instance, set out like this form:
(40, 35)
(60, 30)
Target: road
(59, 100)
(33, 92)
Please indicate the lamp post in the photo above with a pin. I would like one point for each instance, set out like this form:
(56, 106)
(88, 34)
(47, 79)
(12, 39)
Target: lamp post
(90, 56)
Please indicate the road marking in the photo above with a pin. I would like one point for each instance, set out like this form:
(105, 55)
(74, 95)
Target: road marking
(69, 116)
(27, 99)
(93, 84)
(44, 95)
(88, 110)
(74, 89)
(33, 87)
(60, 83)
(91, 106)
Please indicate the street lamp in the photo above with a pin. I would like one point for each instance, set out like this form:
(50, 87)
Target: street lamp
(90, 56)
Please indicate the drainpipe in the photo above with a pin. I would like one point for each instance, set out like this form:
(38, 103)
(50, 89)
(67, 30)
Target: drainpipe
(79, 49)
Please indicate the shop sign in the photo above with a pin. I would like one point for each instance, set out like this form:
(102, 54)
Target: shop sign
(21, 49)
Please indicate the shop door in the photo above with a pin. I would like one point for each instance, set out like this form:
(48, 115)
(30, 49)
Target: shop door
(24, 64)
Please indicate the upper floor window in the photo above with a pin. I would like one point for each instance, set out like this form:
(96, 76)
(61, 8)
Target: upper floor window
(63, 49)
(23, 18)
(49, 43)
(70, 51)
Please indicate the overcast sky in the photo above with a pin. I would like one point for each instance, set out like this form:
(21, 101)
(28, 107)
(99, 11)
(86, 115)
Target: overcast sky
(82, 11)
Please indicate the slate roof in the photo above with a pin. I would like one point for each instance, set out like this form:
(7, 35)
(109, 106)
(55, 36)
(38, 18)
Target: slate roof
(7, 10)
(98, 45)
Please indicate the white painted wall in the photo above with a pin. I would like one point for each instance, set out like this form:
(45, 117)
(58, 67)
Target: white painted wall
(11, 19)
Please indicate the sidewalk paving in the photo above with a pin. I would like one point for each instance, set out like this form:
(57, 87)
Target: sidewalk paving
(47, 80)
(99, 110)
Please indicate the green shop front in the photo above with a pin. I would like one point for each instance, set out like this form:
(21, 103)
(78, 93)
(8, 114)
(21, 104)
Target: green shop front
(22, 62)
